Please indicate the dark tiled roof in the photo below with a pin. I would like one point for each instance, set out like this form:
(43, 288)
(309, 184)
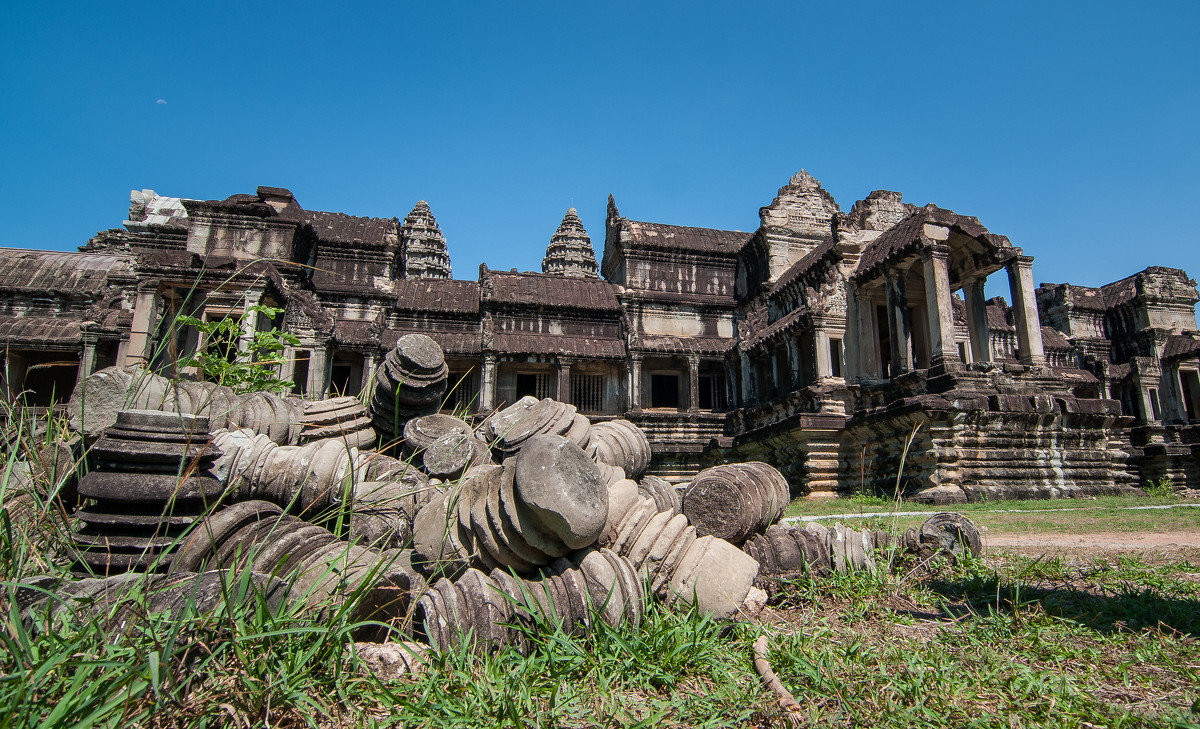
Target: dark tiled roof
(437, 295)
(1054, 339)
(908, 231)
(686, 345)
(1181, 345)
(1119, 292)
(549, 290)
(997, 315)
(35, 330)
(452, 342)
(685, 238)
(54, 272)
(1075, 375)
(590, 347)
(351, 229)
(1119, 371)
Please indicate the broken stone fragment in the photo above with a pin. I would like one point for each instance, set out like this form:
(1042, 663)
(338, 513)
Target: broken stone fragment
(480, 608)
(509, 429)
(680, 565)
(812, 548)
(536, 507)
(343, 418)
(621, 444)
(323, 570)
(389, 661)
(410, 382)
(96, 401)
(736, 500)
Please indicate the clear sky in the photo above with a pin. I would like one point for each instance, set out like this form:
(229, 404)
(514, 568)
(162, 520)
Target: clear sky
(1069, 127)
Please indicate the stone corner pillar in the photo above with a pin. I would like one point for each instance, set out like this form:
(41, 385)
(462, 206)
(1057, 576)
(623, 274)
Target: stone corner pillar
(1025, 311)
(977, 322)
(635, 381)
(938, 306)
(564, 379)
(899, 323)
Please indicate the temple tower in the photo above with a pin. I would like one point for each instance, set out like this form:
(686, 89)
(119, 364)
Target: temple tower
(425, 253)
(570, 252)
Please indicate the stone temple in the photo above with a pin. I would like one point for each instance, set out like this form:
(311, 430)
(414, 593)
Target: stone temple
(823, 342)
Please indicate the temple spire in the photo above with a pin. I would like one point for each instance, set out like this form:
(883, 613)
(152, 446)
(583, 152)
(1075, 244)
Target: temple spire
(570, 252)
(425, 253)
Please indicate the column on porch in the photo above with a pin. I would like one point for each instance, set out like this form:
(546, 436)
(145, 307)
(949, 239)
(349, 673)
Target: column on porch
(747, 376)
(368, 373)
(87, 361)
(821, 347)
(693, 361)
(938, 305)
(145, 318)
(898, 322)
(977, 322)
(318, 371)
(793, 358)
(1025, 311)
(564, 379)
(635, 381)
(487, 383)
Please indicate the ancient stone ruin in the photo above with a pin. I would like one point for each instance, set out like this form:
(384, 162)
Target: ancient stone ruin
(827, 343)
(539, 522)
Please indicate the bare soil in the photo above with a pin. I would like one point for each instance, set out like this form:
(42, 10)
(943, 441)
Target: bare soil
(1174, 540)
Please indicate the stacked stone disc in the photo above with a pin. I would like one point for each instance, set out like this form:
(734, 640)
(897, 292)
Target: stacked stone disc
(481, 608)
(321, 567)
(735, 500)
(343, 418)
(538, 506)
(509, 429)
(679, 564)
(620, 444)
(444, 445)
(665, 496)
(383, 511)
(152, 480)
(409, 383)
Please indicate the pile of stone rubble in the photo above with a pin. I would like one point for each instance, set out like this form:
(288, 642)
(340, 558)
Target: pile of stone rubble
(533, 514)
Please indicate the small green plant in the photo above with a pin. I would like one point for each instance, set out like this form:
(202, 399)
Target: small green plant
(1161, 489)
(223, 360)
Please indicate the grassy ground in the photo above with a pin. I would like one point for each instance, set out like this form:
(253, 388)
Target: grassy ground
(1073, 516)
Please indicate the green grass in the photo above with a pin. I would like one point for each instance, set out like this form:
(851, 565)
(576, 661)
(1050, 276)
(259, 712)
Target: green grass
(1007, 641)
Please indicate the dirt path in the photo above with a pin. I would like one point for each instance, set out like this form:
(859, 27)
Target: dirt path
(1049, 542)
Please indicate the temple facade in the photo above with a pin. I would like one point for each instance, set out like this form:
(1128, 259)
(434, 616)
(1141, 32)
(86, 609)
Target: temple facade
(838, 346)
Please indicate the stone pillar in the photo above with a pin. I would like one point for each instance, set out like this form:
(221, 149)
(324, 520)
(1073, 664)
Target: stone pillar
(564, 379)
(977, 322)
(1025, 311)
(249, 320)
(16, 365)
(862, 343)
(898, 323)
(635, 381)
(145, 318)
(938, 306)
(821, 345)
(747, 378)
(318, 372)
(287, 363)
(368, 373)
(487, 383)
(693, 361)
(773, 356)
(87, 360)
(793, 356)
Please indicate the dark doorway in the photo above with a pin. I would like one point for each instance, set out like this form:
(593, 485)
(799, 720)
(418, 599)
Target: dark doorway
(527, 385)
(1191, 394)
(664, 391)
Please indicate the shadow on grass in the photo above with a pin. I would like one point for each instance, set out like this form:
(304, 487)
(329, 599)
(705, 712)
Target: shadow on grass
(1120, 608)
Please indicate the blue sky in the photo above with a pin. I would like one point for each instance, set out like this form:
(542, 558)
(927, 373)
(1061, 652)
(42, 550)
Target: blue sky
(1069, 127)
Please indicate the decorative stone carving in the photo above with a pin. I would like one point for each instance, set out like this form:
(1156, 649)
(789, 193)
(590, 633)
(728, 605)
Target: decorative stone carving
(735, 500)
(482, 606)
(570, 252)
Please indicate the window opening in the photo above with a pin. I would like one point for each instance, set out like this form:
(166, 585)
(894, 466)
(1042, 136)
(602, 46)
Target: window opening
(587, 393)
(664, 391)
